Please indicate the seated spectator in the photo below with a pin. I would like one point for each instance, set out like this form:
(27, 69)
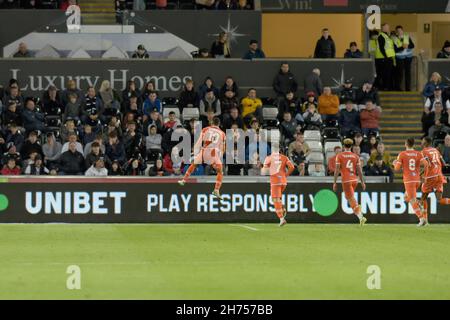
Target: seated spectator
(22, 51)
(363, 157)
(31, 145)
(51, 149)
(349, 120)
(331, 166)
(172, 122)
(152, 103)
(318, 170)
(11, 152)
(99, 139)
(36, 168)
(33, 120)
(14, 136)
(95, 154)
(311, 118)
(116, 169)
(132, 140)
(370, 118)
(153, 142)
(254, 52)
(254, 167)
(97, 169)
(73, 138)
(380, 151)
(445, 52)
(210, 103)
(207, 84)
(353, 52)
(430, 87)
(71, 161)
(328, 105)
(68, 128)
(288, 128)
(220, 48)
(251, 106)
(140, 53)
(227, 103)
(347, 93)
(158, 169)
(436, 98)
(14, 95)
(290, 104)
(370, 146)
(153, 119)
(233, 119)
(438, 127)
(71, 90)
(149, 88)
(109, 97)
(367, 92)
(226, 5)
(51, 101)
(284, 81)
(134, 167)
(325, 47)
(380, 169)
(115, 149)
(429, 118)
(229, 85)
(134, 106)
(188, 97)
(88, 134)
(444, 149)
(11, 168)
(92, 107)
(130, 90)
(297, 154)
(310, 99)
(72, 109)
(12, 115)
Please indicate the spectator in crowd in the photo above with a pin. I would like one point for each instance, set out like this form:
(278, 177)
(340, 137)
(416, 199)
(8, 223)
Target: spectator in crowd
(72, 138)
(158, 169)
(310, 99)
(313, 83)
(97, 169)
(385, 59)
(288, 128)
(189, 98)
(71, 89)
(31, 145)
(430, 118)
(22, 51)
(444, 149)
(254, 168)
(153, 142)
(72, 109)
(430, 87)
(51, 149)
(290, 103)
(149, 88)
(404, 54)
(36, 168)
(14, 136)
(325, 47)
(251, 106)
(227, 5)
(208, 84)
(363, 157)
(297, 153)
(370, 145)
(12, 115)
(328, 105)
(115, 169)
(109, 97)
(205, 4)
(254, 52)
(152, 103)
(172, 122)
(51, 101)
(331, 166)
(380, 151)
(229, 85)
(210, 103)
(380, 169)
(115, 149)
(132, 139)
(311, 118)
(99, 139)
(88, 133)
(318, 170)
(153, 119)
(370, 118)
(227, 103)
(445, 52)
(284, 81)
(134, 167)
(439, 127)
(95, 154)
(68, 128)
(353, 52)
(233, 119)
(92, 107)
(130, 90)
(367, 93)
(347, 93)
(15, 96)
(349, 120)
(140, 53)
(11, 168)
(115, 127)
(220, 48)
(71, 161)
(437, 97)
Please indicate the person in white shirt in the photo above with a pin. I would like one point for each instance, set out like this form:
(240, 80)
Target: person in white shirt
(97, 169)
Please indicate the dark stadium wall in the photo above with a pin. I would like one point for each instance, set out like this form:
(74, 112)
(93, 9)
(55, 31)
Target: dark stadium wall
(163, 201)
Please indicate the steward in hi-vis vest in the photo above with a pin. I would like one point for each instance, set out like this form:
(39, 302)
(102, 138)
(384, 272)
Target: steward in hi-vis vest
(404, 52)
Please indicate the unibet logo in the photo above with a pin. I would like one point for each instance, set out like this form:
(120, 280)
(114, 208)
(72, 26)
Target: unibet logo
(4, 202)
(326, 203)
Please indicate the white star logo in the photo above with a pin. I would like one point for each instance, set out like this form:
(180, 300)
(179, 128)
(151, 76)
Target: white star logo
(231, 31)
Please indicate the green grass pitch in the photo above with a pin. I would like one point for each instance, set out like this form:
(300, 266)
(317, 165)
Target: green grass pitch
(222, 261)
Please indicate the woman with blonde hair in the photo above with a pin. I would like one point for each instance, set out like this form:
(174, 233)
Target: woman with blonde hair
(435, 81)
(220, 48)
(109, 96)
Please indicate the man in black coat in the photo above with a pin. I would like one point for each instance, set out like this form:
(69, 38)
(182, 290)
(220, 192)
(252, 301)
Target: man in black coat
(71, 162)
(325, 47)
(284, 81)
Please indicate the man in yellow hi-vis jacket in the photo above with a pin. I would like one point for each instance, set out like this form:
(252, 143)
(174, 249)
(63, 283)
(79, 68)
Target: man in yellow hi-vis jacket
(385, 58)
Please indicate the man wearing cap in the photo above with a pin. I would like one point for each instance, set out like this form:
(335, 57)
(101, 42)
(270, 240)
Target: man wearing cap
(140, 53)
(253, 51)
(445, 52)
(436, 98)
(346, 93)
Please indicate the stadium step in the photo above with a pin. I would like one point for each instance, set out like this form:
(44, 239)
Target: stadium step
(97, 11)
(401, 118)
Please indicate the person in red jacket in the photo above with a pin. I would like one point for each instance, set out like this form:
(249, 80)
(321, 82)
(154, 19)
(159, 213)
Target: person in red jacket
(10, 168)
(370, 118)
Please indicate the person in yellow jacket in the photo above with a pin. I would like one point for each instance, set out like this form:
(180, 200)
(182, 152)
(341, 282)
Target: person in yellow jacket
(385, 59)
(404, 55)
(328, 105)
(251, 107)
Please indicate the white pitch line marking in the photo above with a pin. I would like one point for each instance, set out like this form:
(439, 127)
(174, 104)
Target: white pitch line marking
(244, 226)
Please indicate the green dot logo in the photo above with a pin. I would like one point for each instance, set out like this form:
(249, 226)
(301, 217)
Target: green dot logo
(326, 203)
(4, 202)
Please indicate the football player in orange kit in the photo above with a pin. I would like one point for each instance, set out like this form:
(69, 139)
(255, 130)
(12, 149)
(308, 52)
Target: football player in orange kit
(212, 147)
(276, 165)
(433, 178)
(410, 161)
(349, 165)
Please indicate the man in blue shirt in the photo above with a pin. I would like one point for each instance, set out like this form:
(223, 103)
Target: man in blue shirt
(254, 52)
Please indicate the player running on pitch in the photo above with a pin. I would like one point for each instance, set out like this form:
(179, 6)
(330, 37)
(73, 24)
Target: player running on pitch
(433, 178)
(276, 165)
(349, 165)
(213, 140)
(410, 161)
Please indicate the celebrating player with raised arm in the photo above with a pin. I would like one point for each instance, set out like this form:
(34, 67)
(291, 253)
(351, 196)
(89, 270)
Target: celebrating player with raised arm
(349, 165)
(433, 178)
(410, 161)
(212, 147)
(275, 165)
